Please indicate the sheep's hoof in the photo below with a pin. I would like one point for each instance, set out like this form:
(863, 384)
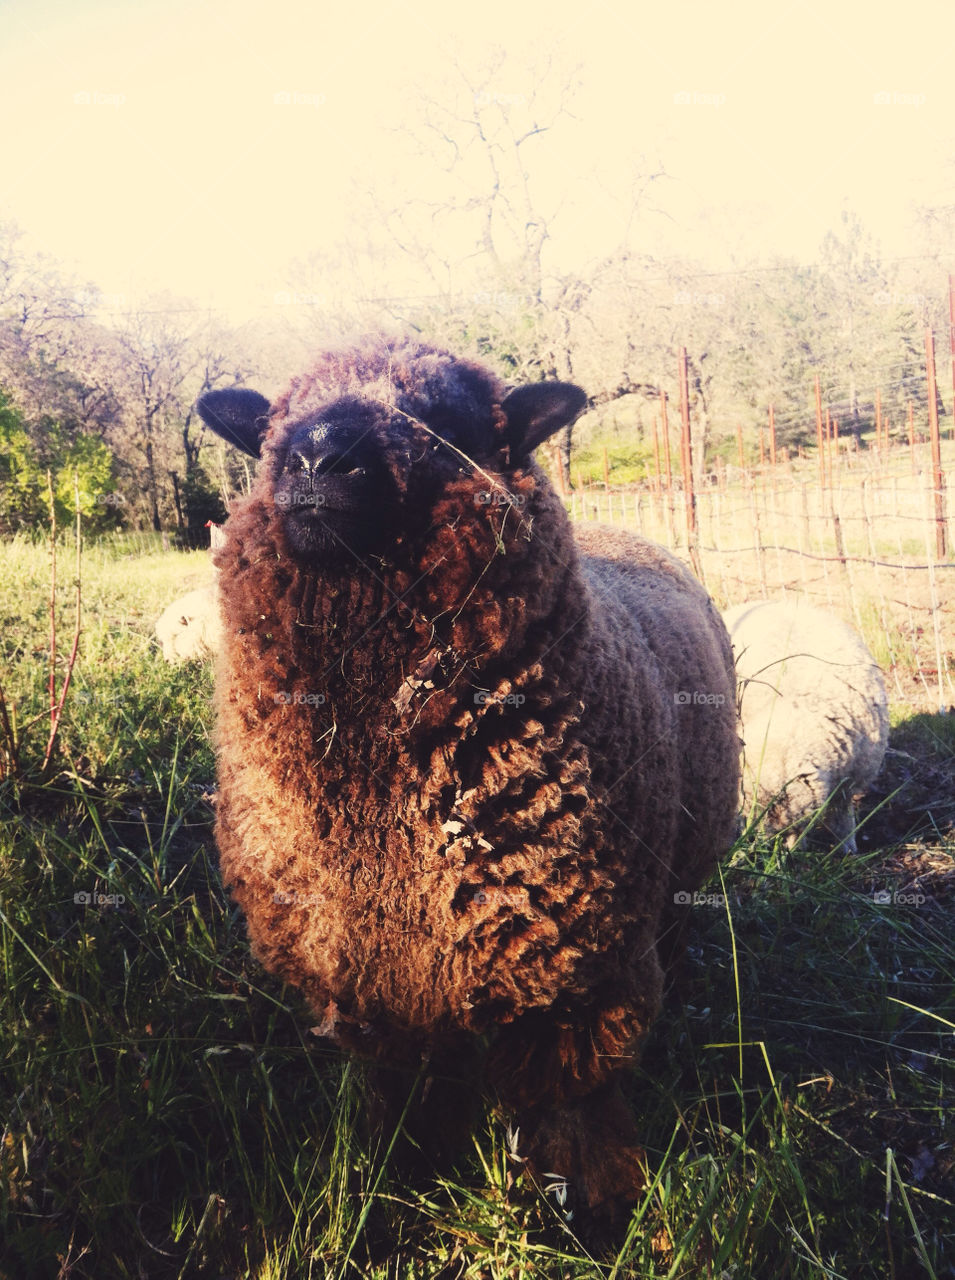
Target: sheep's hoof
(593, 1145)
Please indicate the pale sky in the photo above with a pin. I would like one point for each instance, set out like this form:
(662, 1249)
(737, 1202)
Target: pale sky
(201, 147)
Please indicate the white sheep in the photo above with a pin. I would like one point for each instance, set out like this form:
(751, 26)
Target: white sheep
(190, 626)
(814, 718)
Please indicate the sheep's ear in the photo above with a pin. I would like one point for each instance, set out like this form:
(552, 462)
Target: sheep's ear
(237, 414)
(538, 410)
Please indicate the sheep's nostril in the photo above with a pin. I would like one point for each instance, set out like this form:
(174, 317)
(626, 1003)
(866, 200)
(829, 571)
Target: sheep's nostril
(341, 464)
(331, 464)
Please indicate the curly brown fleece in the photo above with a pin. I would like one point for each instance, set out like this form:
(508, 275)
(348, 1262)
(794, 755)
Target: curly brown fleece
(464, 777)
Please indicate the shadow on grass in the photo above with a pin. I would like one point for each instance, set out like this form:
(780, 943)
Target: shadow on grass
(168, 1113)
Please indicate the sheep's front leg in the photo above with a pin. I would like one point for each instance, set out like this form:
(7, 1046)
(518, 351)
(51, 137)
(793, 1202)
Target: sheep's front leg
(561, 1079)
(593, 1143)
(433, 1105)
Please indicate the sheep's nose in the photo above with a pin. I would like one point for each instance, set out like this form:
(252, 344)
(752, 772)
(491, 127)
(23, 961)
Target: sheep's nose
(321, 452)
(322, 462)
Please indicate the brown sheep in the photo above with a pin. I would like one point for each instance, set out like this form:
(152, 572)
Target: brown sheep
(470, 766)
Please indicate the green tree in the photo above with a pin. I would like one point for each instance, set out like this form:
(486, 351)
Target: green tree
(24, 502)
(21, 479)
(90, 461)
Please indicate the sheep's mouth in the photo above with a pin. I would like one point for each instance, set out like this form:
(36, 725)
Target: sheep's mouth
(312, 505)
(329, 523)
(321, 528)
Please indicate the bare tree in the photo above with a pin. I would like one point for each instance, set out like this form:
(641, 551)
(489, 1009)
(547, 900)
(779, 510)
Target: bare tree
(39, 303)
(482, 239)
(171, 354)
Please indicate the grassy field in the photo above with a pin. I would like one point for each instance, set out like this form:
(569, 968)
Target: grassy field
(167, 1111)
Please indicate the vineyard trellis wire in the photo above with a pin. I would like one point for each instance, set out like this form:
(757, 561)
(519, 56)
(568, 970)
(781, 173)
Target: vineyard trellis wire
(862, 532)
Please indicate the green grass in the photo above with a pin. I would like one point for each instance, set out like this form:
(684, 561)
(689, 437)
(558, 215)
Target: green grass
(167, 1113)
(628, 462)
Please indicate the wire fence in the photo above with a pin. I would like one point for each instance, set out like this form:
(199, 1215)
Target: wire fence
(868, 538)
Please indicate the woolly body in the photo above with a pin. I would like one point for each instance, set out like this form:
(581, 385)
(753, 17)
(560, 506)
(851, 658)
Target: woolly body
(814, 716)
(460, 781)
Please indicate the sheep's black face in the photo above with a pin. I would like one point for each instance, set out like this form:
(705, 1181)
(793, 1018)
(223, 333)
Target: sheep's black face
(332, 486)
(366, 471)
(359, 477)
